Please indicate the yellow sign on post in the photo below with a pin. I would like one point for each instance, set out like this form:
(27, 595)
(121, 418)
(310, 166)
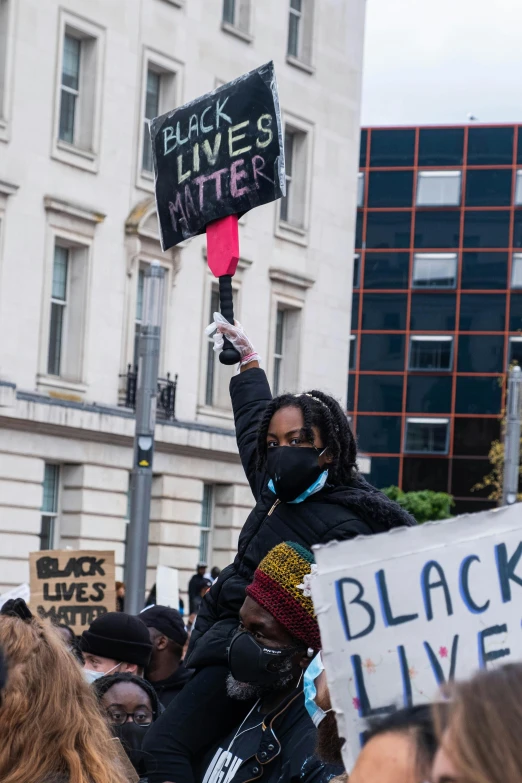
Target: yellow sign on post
(72, 587)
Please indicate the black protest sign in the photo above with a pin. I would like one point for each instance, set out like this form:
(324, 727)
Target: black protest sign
(72, 587)
(219, 155)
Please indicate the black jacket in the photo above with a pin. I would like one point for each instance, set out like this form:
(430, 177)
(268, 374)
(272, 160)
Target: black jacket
(286, 750)
(167, 689)
(333, 514)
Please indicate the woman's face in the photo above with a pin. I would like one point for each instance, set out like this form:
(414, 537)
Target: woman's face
(286, 429)
(125, 702)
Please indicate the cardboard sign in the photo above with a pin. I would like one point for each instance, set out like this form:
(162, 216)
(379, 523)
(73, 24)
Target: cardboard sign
(167, 586)
(219, 155)
(72, 587)
(403, 612)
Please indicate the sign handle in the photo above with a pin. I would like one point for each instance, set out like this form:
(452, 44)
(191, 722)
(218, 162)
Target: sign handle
(229, 354)
(223, 257)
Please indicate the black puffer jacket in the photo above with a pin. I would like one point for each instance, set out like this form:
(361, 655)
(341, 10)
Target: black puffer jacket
(335, 513)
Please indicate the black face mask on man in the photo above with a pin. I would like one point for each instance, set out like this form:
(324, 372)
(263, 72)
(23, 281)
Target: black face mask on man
(131, 736)
(293, 470)
(255, 663)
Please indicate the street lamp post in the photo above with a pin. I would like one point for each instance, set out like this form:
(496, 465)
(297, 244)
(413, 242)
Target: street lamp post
(512, 439)
(141, 476)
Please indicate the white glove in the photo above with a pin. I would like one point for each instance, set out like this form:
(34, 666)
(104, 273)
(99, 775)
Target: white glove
(237, 337)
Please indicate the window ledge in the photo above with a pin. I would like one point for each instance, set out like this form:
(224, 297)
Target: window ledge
(292, 233)
(53, 204)
(297, 63)
(290, 278)
(233, 30)
(75, 156)
(215, 413)
(61, 389)
(177, 3)
(8, 188)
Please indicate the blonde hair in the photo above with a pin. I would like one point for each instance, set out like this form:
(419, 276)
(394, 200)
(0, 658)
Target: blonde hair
(483, 721)
(50, 723)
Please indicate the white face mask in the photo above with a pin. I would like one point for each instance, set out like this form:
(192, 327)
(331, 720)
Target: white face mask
(91, 675)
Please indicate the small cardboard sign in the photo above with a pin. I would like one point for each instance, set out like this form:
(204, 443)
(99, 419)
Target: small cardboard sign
(72, 587)
(221, 154)
(403, 612)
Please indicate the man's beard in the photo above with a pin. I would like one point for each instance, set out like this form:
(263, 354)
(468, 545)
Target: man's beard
(245, 691)
(329, 743)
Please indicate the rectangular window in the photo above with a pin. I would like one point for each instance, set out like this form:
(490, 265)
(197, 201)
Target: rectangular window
(79, 84)
(58, 310)
(438, 188)
(353, 352)
(49, 506)
(293, 204)
(300, 30)
(216, 392)
(152, 104)
(211, 354)
(356, 270)
(205, 525)
(427, 436)
(70, 88)
(138, 317)
(515, 351)
(518, 189)
(237, 14)
(286, 350)
(360, 189)
(516, 271)
(431, 353)
(434, 270)
(279, 351)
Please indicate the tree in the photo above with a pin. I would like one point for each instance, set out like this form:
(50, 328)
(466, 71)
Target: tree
(425, 506)
(495, 478)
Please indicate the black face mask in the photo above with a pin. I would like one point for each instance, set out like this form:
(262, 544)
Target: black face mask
(254, 663)
(292, 469)
(131, 736)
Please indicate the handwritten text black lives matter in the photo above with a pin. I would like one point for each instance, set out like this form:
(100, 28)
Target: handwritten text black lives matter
(218, 156)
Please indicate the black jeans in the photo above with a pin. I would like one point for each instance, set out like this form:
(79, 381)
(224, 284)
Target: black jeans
(195, 720)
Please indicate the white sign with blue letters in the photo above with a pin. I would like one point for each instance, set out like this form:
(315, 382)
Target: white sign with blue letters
(403, 612)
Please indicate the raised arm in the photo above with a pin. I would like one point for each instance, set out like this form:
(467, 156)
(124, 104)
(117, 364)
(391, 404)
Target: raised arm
(250, 394)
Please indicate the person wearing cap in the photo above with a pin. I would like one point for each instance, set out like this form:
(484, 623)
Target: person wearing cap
(115, 642)
(196, 590)
(273, 738)
(166, 672)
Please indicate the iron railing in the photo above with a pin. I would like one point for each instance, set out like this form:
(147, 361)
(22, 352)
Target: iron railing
(166, 393)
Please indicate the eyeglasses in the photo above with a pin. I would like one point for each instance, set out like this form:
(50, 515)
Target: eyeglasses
(142, 716)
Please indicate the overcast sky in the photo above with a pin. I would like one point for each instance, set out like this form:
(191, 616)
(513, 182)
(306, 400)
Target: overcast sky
(436, 61)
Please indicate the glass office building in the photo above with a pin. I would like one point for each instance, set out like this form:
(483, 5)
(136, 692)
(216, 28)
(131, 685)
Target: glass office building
(437, 302)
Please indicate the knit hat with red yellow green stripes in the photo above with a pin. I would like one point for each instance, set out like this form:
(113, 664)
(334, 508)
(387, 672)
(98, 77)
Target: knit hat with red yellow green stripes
(281, 586)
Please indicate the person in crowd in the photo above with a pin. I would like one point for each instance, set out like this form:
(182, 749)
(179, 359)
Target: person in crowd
(51, 729)
(198, 583)
(130, 705)
(120, 596)
(398, 748)
(115, 641)
(479, 729)
(300, 457)
(166, 671)
(215, 572)
(70, 640)
(272, 737)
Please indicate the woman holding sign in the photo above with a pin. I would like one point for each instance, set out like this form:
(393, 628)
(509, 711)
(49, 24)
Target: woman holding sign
(300, 458)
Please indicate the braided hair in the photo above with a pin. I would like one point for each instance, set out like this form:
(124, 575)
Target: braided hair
(325, 413)
(103, 684)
